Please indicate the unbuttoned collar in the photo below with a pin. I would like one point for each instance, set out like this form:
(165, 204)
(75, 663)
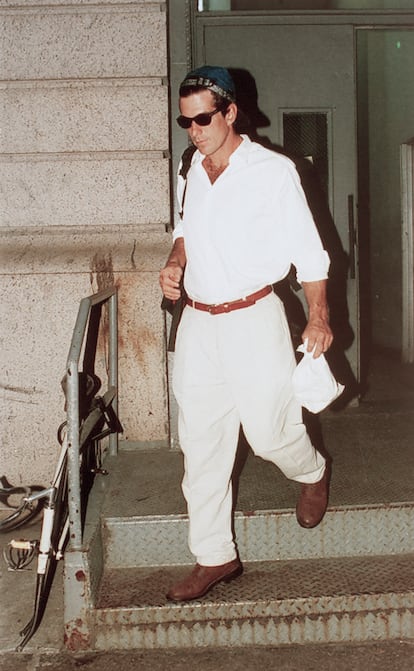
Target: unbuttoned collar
(241, 153)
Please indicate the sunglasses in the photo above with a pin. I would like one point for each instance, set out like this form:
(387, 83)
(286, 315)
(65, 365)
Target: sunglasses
(203, 119)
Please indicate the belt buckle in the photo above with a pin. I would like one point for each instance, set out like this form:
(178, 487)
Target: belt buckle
(219, 308)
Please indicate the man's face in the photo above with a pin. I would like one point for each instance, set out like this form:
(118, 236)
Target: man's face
(208, 139)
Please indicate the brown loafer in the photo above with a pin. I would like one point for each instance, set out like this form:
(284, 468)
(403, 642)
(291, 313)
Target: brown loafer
(313, 501)
(202, 579)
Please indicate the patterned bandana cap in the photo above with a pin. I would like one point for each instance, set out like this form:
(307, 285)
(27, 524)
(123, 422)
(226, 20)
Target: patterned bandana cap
(214, 78)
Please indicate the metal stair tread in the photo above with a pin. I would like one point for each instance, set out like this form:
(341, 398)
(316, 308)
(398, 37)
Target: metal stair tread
(148, 482)
(350, 579)
(321, 582)
(144, 521)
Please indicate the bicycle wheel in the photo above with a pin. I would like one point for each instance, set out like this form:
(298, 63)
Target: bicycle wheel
(22, 511)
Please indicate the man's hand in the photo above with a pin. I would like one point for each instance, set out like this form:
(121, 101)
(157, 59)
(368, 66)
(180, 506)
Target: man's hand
(317, 331)
(170, 278)
(319, 335)
(172, 273)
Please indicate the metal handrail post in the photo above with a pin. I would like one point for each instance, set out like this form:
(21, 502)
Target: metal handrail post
(113, 362)
(75, 527)
(72, 371)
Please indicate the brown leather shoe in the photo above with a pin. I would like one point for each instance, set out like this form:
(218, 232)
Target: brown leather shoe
(313, 501)
(202, 579)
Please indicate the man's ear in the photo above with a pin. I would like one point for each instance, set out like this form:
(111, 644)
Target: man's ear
(231, 114)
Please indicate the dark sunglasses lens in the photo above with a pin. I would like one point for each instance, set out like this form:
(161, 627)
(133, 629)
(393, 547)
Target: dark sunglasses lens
(203, 119)
(200, 120)
(184, 121)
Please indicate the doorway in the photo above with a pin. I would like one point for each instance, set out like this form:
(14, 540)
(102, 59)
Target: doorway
(296, 106)
(385, 67)
(335, 92)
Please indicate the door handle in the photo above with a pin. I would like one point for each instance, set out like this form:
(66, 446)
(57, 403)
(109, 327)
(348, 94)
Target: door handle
(352, 236)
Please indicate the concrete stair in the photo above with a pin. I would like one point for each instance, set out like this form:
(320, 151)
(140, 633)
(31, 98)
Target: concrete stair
(272, 603)
(350, 579)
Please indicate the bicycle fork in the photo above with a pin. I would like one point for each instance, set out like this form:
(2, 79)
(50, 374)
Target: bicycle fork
(46, 554)
(47, 526)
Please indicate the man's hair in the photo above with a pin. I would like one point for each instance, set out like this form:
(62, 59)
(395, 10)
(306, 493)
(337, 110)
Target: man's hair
(213, 78)
(220, 103)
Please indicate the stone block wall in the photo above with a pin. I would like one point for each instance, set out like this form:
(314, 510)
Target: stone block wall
(85, 202)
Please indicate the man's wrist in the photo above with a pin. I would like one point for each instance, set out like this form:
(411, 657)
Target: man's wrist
(317, 311)
(173, 262)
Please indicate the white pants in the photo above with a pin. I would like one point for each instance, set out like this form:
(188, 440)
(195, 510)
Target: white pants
(229, 369)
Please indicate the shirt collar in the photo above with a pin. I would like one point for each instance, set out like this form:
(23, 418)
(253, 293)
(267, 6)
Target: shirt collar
(240, 153)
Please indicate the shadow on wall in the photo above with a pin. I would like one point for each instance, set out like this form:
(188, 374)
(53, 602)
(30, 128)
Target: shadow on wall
(249, 120)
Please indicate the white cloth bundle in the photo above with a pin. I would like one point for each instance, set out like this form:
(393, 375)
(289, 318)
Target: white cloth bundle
(313, 383)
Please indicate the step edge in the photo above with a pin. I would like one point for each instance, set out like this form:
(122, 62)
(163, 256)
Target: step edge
(321, 605)
(363, 508)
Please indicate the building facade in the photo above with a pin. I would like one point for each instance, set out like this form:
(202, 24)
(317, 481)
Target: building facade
(84, 169)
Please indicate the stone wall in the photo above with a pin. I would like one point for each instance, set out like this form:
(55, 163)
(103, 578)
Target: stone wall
(85, 191)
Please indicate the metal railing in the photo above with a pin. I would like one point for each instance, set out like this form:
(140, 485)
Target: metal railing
(82, 327)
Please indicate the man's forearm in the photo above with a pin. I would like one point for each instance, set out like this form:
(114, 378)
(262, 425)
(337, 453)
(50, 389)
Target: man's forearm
(317, 331)
(177, 256)
(315, 294)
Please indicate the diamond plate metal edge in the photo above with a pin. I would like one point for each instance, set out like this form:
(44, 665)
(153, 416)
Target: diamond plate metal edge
(295, 629)
(266, 536)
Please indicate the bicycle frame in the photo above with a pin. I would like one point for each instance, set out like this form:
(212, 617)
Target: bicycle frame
(79, 459)
(56, 519)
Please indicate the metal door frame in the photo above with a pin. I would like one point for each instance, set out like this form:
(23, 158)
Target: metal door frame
(407, 244)
(184, 19)
(186, 51)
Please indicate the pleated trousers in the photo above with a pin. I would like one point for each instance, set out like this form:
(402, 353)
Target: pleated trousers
(235, 369)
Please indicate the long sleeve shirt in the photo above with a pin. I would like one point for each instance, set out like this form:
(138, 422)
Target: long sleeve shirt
(246, 229)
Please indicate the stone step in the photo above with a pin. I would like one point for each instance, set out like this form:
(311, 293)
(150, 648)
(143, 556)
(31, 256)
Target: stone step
(350, 579)
(144, 521)
(265, 536)
(272, 603)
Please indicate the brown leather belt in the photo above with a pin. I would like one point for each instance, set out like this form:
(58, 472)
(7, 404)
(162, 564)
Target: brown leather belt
(240, 303)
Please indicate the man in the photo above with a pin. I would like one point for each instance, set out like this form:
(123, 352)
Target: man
(245, 220)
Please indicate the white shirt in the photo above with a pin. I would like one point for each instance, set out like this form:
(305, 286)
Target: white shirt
(245, 230)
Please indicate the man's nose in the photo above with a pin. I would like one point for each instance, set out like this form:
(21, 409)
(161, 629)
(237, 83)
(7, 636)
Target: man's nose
(194, 128)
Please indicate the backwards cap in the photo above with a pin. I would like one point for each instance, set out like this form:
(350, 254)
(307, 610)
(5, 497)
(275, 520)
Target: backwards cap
(213, 78)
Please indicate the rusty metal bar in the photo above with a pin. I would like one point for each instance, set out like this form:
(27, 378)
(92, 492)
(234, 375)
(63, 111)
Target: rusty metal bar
(72, 370)
(113, 363)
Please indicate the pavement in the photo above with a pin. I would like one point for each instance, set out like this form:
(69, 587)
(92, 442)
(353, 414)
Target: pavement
(46, 649)
(391, 656)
